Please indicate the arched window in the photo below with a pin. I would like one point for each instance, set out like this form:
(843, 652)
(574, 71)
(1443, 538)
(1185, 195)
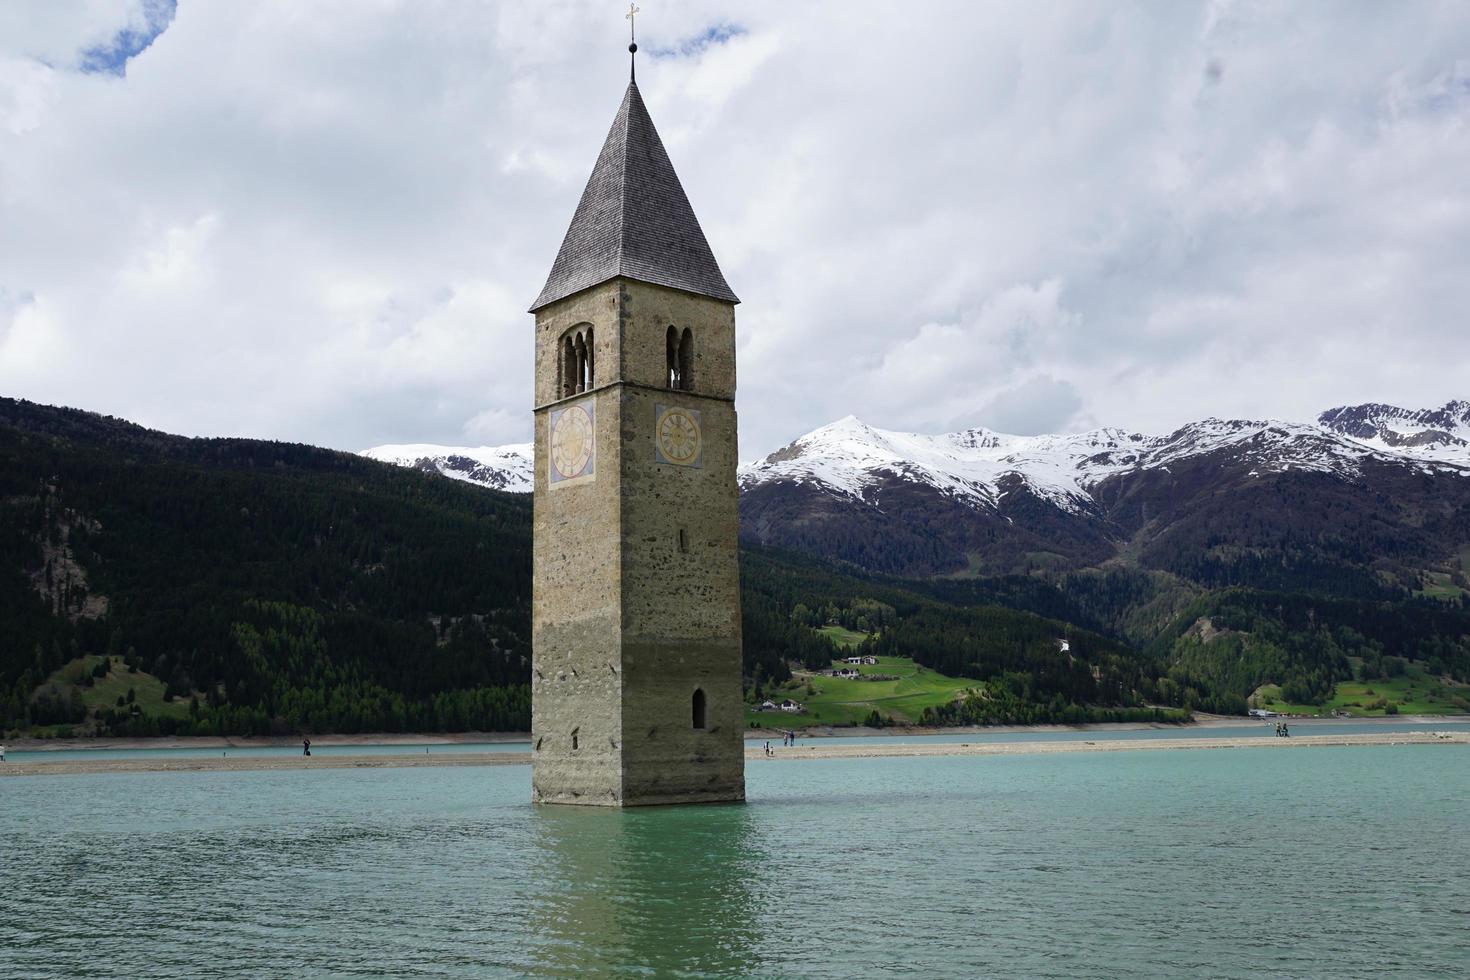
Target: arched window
(568, 367)
(699, 709)
(575, 370)
(686, 361)
(671, 354)
(679, 358)
(589, 373)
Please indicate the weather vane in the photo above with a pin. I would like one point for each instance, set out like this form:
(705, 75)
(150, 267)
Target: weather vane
(632, 40)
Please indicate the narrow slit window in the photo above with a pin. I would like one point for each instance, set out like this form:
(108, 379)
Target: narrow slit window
(591, 372)
(683, 540)
(575, 739)
(686, 361)
(568, 368)
(699, 709)
(671, 358)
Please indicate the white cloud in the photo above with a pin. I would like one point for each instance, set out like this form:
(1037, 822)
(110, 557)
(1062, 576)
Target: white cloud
(323, 219)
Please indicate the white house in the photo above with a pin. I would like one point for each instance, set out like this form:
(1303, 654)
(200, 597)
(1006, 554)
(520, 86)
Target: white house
(767, 705)
(853, 660)
(794, 707)
(847, 672)
(870, 661)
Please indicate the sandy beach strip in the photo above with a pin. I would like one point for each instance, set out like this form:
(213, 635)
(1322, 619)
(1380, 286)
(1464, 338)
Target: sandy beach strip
(827, 750)
(261, 763)
(822, 749)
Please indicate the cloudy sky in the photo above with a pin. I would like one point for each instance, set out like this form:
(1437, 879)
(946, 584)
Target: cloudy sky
(323, 220)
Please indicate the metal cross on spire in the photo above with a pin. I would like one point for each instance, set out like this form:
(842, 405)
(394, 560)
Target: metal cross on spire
(632, 41)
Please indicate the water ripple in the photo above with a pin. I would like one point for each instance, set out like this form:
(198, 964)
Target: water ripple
(1140, 864)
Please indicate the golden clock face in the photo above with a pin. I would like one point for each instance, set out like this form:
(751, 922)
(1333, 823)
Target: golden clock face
(679, 438)
(571, 443)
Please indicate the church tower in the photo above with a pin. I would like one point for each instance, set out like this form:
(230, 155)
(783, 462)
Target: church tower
(636, 689)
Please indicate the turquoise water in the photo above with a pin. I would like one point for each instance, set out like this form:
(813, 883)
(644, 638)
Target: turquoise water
(80, 750)
(1229, 863)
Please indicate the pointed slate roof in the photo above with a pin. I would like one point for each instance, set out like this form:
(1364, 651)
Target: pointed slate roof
(634, 220)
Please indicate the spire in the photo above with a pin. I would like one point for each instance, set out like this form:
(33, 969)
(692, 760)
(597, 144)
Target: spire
(634, 220)
(632, 43)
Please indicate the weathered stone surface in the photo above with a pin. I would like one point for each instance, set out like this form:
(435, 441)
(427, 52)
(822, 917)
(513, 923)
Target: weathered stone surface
(636, 602)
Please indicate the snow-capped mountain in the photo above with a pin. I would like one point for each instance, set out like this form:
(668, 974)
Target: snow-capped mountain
(851, 458)
(506, 468)
(1440, 433)
(1365, 496)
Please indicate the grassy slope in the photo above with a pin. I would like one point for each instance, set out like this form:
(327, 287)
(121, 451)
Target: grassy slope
(839, 701)
(1439, 585)
(1415, 693)
(104, 692)
(842, 636)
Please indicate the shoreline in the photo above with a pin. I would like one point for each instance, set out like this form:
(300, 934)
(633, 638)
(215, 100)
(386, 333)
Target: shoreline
(73, 767)
(1202, 721)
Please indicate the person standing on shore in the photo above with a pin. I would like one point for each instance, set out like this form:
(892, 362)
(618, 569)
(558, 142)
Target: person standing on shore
(306, 746)
(2, 753)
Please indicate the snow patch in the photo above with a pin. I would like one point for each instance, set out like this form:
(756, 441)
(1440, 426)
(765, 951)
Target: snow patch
(509, 468)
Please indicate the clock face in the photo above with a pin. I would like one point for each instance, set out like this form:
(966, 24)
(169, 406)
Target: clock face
(678, 435)
(572, 443)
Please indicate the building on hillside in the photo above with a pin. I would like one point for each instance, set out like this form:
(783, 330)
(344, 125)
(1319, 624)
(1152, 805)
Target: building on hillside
(794, 707)
(846, 672)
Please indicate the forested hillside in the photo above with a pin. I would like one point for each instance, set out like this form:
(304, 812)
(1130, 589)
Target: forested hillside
(276, 587)
(152, 584)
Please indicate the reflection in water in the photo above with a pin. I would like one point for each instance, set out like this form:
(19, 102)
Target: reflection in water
(1221, 864)
(668, 889)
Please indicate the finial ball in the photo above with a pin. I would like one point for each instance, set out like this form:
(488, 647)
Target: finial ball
(633, 48)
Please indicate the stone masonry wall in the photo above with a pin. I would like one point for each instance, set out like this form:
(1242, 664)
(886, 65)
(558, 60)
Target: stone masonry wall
(626, 624)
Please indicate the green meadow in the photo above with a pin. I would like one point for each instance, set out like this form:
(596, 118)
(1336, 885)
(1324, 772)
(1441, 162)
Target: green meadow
(1415, 692)
(105, 692)
(841, 701)
(842, 636)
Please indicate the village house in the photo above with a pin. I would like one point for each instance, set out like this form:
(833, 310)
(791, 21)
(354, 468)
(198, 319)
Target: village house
(846, 672)
(794, 707)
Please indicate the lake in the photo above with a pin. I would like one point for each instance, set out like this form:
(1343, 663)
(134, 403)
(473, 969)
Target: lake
(1231, 863)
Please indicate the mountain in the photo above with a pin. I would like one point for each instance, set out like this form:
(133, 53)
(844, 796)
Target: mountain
(507, 468)
(155, 584)
(1440, 433)
(1366, 501)
(258, 586)
(851, 458)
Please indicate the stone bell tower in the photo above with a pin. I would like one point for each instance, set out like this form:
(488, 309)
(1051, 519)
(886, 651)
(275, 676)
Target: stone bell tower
(636, 690)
